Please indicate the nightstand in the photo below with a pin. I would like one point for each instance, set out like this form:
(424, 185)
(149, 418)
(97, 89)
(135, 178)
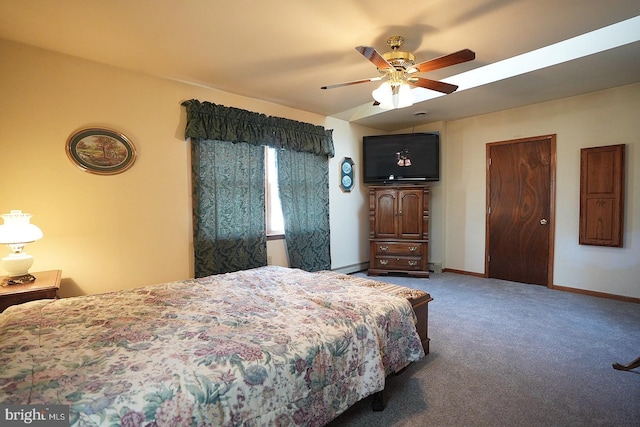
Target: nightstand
(45, 286)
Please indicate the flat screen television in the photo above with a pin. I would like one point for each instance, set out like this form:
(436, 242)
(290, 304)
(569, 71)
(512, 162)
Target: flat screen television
(413, 157)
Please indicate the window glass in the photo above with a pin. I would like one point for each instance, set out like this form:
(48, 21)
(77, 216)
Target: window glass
(275, 220)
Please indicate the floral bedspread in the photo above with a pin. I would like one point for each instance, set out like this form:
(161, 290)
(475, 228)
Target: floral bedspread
(268, 346)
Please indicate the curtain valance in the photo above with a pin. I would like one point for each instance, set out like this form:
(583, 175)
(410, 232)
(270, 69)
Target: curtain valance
(209, 121)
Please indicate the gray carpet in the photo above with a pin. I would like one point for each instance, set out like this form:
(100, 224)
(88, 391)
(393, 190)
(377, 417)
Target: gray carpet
(510, 354)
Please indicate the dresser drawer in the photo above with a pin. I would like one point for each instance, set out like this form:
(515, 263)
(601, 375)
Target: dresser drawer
(398, 263)
(400, 248)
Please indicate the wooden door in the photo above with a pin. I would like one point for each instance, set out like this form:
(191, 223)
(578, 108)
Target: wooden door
(386, 213)
(410, 214)
(520, 210)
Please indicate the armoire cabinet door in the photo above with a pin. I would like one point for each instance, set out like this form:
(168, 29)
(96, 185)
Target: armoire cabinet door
(410, 214)
(386, 213)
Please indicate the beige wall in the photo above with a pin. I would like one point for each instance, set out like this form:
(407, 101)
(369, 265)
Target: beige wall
(349, 211)
(131, 229)
(596, 119)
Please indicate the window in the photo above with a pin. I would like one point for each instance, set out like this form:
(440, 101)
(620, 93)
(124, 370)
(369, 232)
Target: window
(275, 220)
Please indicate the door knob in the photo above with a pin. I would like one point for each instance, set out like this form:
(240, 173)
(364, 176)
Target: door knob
(543, 221)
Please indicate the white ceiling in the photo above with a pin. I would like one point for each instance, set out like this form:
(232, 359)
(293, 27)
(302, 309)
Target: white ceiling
(283, 51)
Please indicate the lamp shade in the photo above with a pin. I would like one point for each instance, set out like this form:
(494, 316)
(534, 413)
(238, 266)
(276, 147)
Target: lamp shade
(18, 229)
(16, 232)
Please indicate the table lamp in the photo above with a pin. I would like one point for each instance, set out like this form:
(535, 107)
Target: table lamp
(15, 233)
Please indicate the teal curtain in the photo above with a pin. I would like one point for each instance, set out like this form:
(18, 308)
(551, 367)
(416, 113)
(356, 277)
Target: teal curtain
(209, 121)
(228, 187)
(228, 207)
(303, 183)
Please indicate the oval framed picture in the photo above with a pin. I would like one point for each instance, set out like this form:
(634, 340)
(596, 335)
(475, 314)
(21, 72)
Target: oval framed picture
(101, 151)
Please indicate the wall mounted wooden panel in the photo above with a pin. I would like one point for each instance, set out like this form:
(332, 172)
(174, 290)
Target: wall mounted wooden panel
(602, 175)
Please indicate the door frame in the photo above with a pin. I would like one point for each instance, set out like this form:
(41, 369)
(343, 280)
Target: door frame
(552, 199)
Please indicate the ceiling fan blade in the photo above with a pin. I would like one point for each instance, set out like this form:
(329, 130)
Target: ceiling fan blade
(433, 85)
(372, 55)
(355, 82)
(443, 61)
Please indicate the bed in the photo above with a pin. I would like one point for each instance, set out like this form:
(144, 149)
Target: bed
(267, 346)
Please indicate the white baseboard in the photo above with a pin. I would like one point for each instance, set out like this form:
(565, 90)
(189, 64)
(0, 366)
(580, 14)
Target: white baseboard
(353, 268)
(435, 267)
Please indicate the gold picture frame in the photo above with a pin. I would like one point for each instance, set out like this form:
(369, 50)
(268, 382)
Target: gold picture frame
(101, 151)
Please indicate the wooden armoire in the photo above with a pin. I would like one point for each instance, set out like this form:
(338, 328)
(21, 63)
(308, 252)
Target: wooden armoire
(399, 230)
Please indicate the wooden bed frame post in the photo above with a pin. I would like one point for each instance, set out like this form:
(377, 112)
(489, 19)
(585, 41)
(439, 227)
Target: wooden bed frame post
(421, 309)
(377, 404)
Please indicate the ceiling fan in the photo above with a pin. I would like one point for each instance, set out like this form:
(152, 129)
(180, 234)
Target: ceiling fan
(399, 69)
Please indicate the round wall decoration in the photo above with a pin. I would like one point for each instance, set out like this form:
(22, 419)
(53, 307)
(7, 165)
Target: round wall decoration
(346, 174)
(101, 151)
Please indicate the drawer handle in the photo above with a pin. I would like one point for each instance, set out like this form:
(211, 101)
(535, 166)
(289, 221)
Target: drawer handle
(413, 263)
(413, 248)
(384, 248)
(384, 262)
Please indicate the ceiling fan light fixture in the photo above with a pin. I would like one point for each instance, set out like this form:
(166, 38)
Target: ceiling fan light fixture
(405, 96)
(393, 96)
(383, 95)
